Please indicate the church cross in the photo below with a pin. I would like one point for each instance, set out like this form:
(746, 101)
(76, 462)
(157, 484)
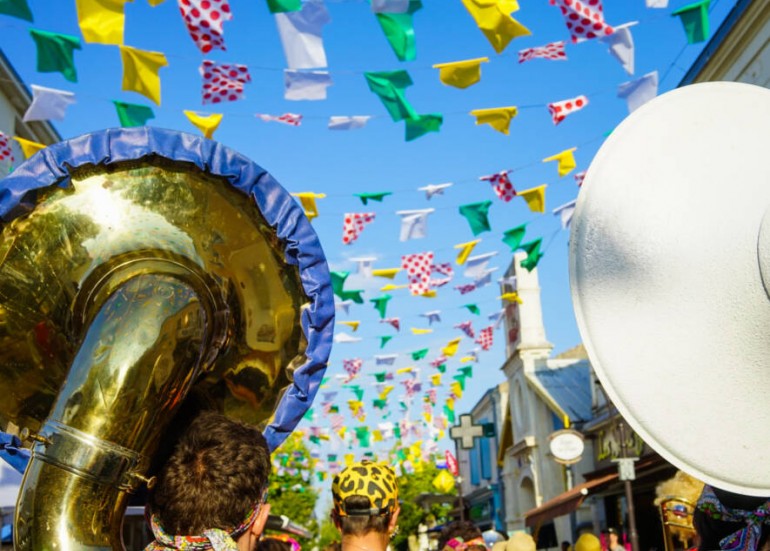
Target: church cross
(466, 432)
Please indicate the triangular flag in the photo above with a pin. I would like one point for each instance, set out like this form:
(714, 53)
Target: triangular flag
(695, 19)
(381, 304)
(140, 71)
(451, 348)
(16, 8)
(207, 124)
(338, 282)
(621, 45)
(501, 184)
(391, 287)
(348, 123)
(352, 324)
(560, 109)
(389, 86)
(305, 85)
(390, 6)
(48, 104)
(511, 296)
(656, 3)
(417, 331)
(640, 91)
(498, 118)
(301, 34)
(533, 254)
(476, 215)
(514, 236)
(418, 267)
(584, 19)
(472, 308)
(535, 198)
(55, 53)
(435, 379)
(465, 250)
(486, 336)
(282, 6)
(476, 266)
(494, 20)
(566, 211)
(461, 74)
(399, 30)
(434, 189)
(395, 322)
(225, 82)
(366, 197)
(566, 161)
(433, 315)
(29, 147)
(467, 328)
(420, 125)
(553, 51)
(384, 340)
(131, 114)
(102, 21)
(384, 359)
(389, 273)
(420, 354)
(414, 223)
(6, 154)
(205, 22)
(307, 200)
(364, 265)
(353, 224)
(345, 338)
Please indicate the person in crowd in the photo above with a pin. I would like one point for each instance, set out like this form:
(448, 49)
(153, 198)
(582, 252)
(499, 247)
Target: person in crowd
(365, 506)
(211, 492)
(588, 542)
(521, 541)
(461, 535)
(725, 520)
(278, 542)
(613, 537)
(566, 546)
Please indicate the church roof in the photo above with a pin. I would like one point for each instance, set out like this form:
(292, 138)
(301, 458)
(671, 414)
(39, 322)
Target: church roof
(570, 387)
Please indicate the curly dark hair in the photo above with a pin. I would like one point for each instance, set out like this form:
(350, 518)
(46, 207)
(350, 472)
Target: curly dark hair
(464, 529)
(216, 474)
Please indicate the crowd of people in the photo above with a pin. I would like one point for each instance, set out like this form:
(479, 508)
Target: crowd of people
(212, 494)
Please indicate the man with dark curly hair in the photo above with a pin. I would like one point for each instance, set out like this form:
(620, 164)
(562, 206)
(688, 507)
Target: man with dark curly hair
(461, 535)
(211, 492)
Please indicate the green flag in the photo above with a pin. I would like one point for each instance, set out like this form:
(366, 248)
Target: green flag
(380, 404)
(533, 254)
(16, 8)
(315, 439)
(324, 381)
(334, 409)
(389, 86)
(131, 114)
(55, 53)
(466, 371)
(513, 237)
(441, 368)
(381, 304)
(422, 124)
(362, 434)
(308, 414)
(381, 376)
(695, 19)
(476, 214)
(282, 6)
(357, 390)
(366, 197)
(420, 354)
(397, 434)
(331, 458)
(401, 454)
(472, 308)
(384, 340)
(399, 30)
(460, 379)
(450, 414)
(338, 282)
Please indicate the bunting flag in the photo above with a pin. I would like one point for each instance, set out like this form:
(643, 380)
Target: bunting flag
(406, 371)
(433, 315)
(565, 212)
(364, 265)
(222, 81)
(384, 340)
(467, 328)
(621, 46)
(348, 123)
(389, 86)
(434, 189)
(420, 354)
(207, 124)
(501, 184)
(417, 331)
(511, 296)
(640, 91)
(466, 288)
(465, 250)
(456, 390)
(422, 124)
(553, 51)
(441, 360)
(399, 30)
(131, 114)
(390, 6)
(435, 379)
(493, 17)
(477, 216)
(338, 282)
(379, 404)
(695, 20)
(418, 269)
(472, 308)
(48, 104)
(305, 85)
(579, 177)
(476, 266)
(451, 348)
(346, 338)
(388, 273)
(353, 225)
(366, 197)
(204, 20)
(283, 6)
(472, 356)
(352, 324)
(301, 35)
(55, 53)
(498, 118)
(102, 21)
(584, 19)
(352, 366)
(28, 147)
(560, 109)
(566, 160)
(484, 279)
(395, 322)
(533, 254)
(461, 74)
(535, 198)
(381, 304)
(414, 223)
(308, 201)
(656, 3)
(343, 305)
(485, 338)
(292, 119)
(384, 359)
(439, 282)
(140, 71)
(444, 268)
(386, 390)
(514, 236)
(6, 153)
(16, 8)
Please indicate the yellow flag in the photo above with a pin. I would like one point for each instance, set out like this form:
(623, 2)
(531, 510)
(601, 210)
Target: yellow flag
(435, 379)
(451, 348)
(307, 200)
(390, 273)
(417, 331)
(498, 118)
(494, 19)
(352, 324)
(28, 147)
(456, 389)
(349, 459)
(385, 391)
(466, 249)
(566, 161)
(207, 124)
(403, 370)
(391, 287)
(450, 404)
(341, 432)
(535, 198)
(429, 294)
(466, 359)
(140, 71)
(444, 482)
(155, 3)
(102, 21)
(512, 296)
(461, 74)
(377, 435)
(427, 416)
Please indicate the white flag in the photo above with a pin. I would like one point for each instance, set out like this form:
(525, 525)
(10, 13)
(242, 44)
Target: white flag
(640, 91)
(387, 359)
(305, 85)
(345, 337)
(343, 305)
(476, 266)
(48, 104)
(390, 6)
(621, 45)
(485, 278)
(300, 33)
(364, 265)
(566, 211)
(433, 315)
(414, 223)
(657, 3)
(434, 189)
(348, 123)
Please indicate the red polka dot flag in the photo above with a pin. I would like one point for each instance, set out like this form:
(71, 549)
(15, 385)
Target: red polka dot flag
(354, 224)
(501, 184)
(584, 19)
(560, 109)
(223, 81)
(485, 337)
(204, 20)
(418, 270)
(6, 154)
(554, 51)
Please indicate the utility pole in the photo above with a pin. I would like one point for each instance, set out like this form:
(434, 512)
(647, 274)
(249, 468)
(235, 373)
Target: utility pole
(627, 474)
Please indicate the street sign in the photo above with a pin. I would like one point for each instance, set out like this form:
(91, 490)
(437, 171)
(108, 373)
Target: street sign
(626, 469)
(466, 432)
(566, 446)
(451, 463)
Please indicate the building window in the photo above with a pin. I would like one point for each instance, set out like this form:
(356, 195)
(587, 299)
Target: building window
(475, 462)
(485, 455)
(520, 412)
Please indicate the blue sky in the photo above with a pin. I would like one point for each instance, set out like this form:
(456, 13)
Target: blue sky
(376, 158)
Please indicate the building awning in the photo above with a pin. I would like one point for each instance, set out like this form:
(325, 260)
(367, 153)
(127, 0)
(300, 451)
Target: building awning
(566, 502)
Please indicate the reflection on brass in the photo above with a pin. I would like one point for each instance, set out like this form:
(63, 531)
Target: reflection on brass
(121, 293)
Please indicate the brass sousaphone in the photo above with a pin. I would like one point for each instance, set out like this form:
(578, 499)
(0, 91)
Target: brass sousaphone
(142, 270)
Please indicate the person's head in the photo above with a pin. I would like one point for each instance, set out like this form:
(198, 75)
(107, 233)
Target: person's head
(280, 542)
(213, 484)
(365, 497)
(461, 535)
(521, 541)
(565, 545)
(613, 536)
(588, 542)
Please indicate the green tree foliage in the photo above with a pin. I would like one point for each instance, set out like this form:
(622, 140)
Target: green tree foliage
(327, 534)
